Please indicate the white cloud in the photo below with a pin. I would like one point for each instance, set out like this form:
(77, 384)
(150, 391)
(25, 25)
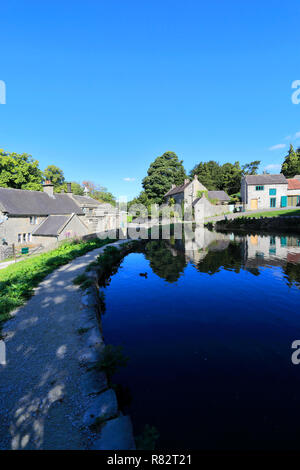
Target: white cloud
(273, 167)
(278, 146)
(297, 135)
(128, 179)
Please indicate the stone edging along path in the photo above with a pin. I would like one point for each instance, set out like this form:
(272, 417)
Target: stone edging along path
(49, 393)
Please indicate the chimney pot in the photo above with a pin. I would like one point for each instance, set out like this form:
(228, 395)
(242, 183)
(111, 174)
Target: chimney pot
(69, 188)
(48, 188)
(186, 181)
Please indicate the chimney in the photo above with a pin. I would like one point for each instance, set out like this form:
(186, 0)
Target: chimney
(173, 186)
(69, 188)
(195, 177)
(186, 181)
(86, 191)
(48, 188)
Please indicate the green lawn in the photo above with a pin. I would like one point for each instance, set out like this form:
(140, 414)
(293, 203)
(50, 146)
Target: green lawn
(18, 280)
(283, 212)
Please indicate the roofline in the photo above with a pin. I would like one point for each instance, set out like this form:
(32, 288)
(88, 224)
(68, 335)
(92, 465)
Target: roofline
(178, 187)
(69, 220)
(260, 184)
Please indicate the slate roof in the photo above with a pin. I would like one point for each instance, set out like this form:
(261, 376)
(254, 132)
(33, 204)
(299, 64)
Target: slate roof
(220, 195)
(52, 226)
(86, 200)
(23, 202)
(178, 189)
(265, 179)
(293, 183)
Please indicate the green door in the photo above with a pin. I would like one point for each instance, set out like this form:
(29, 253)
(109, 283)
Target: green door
(273, 202)
(283, 201)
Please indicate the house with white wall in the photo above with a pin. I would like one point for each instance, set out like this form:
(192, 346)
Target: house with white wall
(264, 191)
(270, 191)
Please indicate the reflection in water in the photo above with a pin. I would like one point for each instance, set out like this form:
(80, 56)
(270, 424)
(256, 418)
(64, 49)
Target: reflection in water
(208, 332)
(211, 251)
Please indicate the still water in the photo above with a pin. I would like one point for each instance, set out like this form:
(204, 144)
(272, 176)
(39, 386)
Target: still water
(208, 329)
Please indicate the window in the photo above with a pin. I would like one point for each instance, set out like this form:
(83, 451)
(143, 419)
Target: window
(259, 188)
(19, 237)
(273, 202)
(24, 237)
(272, 241)
(33, 219)
(272, 192)
(29, 237)
(283, 241)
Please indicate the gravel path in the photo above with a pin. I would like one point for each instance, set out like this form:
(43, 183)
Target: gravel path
(40, 394)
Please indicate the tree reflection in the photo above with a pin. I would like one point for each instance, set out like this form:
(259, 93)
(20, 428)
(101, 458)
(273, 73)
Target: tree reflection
(165, 263)
(230, 258)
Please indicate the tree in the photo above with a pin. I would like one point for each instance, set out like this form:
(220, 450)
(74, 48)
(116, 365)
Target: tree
(99, 192)
(291, 164)
(55, 175)
(76, 188)
(162, 173)
(19, 171)
(231, 176)
(209, 174)
(105, 196)
(251, 168)
(225, 177)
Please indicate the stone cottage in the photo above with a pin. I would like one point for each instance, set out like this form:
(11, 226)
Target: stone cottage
(44, 217)
(195, 196)
(269, 191)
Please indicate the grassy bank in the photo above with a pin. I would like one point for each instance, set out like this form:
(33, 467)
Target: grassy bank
(284, 212)
(18, 281)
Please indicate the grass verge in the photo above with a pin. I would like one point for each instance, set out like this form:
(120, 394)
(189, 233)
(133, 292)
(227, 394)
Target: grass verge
(18, 280)
(285, 212)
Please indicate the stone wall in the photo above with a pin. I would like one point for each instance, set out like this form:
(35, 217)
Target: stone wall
(6, 251)
(115, 429)
(203, 209)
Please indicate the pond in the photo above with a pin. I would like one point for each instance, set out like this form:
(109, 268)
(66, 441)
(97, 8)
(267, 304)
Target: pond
(208, 327)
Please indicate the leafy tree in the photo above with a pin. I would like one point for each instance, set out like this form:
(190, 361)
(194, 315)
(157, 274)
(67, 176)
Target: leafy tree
(231, 175)
(104, 196)
(162, 173)
(225, 177)
(99, 192)
(291, 164)
(54, 174)
(19, 171)
(76, 188)
(209, 174)
(251, 168)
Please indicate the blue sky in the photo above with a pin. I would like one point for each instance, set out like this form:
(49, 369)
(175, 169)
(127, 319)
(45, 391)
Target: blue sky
(101, 88)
